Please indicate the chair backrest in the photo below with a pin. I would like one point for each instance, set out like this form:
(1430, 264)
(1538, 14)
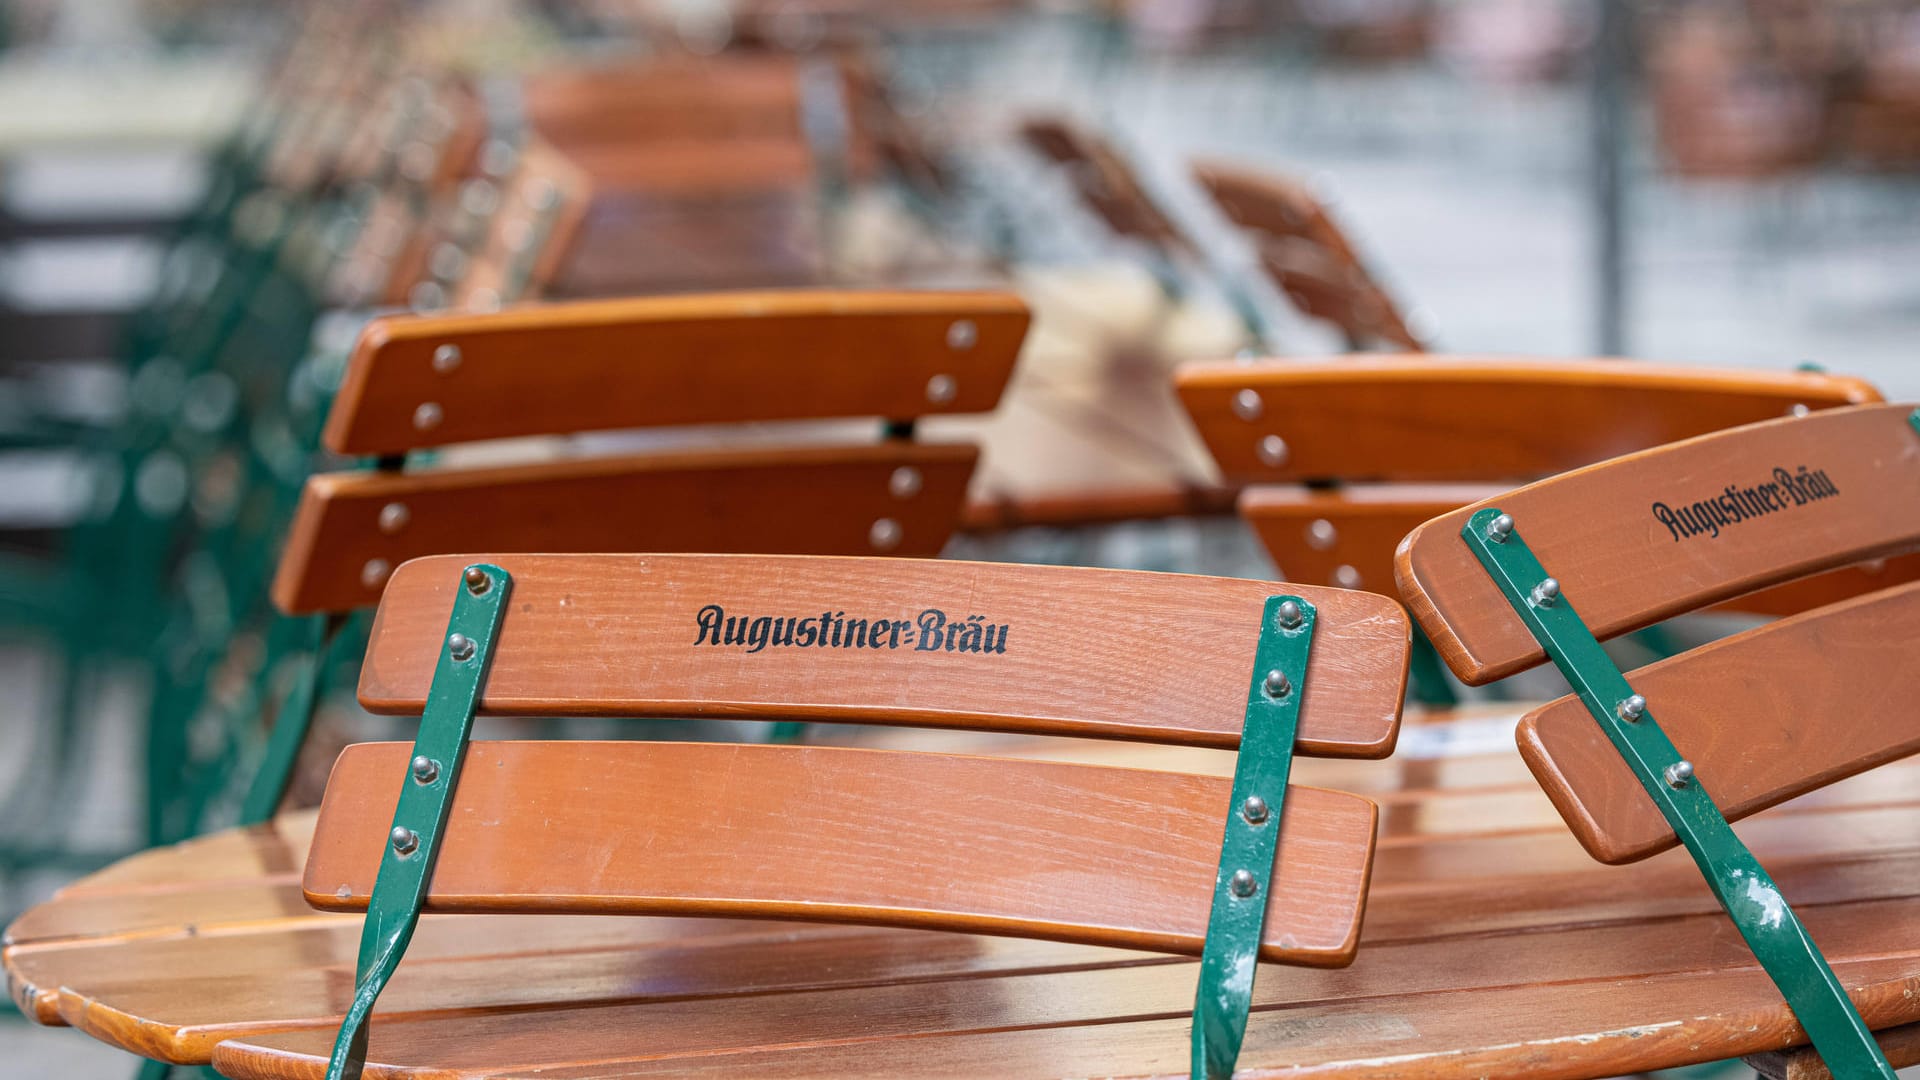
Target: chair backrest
(1105, 182)
(415, 383)
(1761, 716)
(1306, 254)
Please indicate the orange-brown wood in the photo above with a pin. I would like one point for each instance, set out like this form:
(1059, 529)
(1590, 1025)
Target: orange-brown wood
(674, 360)
(1469, 418)
(1105, 182)
(1153, 657)
(531, 236)
(935, 841)
(1901, 1045)
(1763, 716)
(1600, 532)
(896, 498)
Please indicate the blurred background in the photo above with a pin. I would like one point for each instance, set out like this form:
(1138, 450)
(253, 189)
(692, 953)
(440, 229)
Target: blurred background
(1724, 182)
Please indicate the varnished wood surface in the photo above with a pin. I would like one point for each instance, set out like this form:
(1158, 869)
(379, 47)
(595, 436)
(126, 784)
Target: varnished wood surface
(936, 841)
(674, 360)
(1105, 182)
(1595, 530)
(1763, 716)
(1122, 654)
(1474, 419)
(776, 499)
(1493, 945)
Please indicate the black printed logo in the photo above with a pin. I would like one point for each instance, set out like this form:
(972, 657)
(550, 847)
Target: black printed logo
(1735, 504)
(932, 630)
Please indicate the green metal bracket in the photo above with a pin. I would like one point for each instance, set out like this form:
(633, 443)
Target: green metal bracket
(290, 726)
(426, 795)
(1252, 838)
(1913, 421)
(1759, 912)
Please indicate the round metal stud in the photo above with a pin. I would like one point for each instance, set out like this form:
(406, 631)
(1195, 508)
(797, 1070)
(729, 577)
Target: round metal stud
(1631, 708)
(1679, 774)
(1290, 614)
(1247, 405)
(1799, 410)
(962, 335)
(1321, 535)
(905, 482)
(1547, 593)
(404, 840)
(1273, 451)
(427, 416)
(1346, 577)
(425, 770)
(1276, 684)
(374, 573)
(1500, 528)
(446, 358)
(941, 389)
(460, 646)
(1255, 810)
(394, 517)
(477, 580)
(885, 535)
(1243, 884)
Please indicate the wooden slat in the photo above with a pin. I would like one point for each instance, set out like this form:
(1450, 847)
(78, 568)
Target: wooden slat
(779, 499)
(1105, 182)
(1151, 657)
(1474, 419)
(1818, 698)
(1901, 1045)
(1119, 857)
(1597, 531)
(674, 360)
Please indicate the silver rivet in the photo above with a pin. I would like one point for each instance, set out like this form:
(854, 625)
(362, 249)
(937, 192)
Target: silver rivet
(1273, 451)
(404, 840)
(460, 646)
(394, 517)
(905, 482)
(941, 389)
(1631, 708)
(1798, 410)
(1254, 810)
(1243, 884)
(1321, 535)
(1500, 528)
(1679, 774)
(1247, 405)
(1346, 577)
(885, 535)
(962, 334)
(427, 416)
(374, 573)
(425, 769)
(1290, 614)
(1276, 684)
(1547, 593)
(477, 580)
(446, 358)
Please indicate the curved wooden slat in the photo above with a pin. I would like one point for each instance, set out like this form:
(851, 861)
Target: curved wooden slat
(1604, 530)
(1104, 181)
(895, 498)
(1079, 853)
(675, 360)
(1469, 418)
(1763, 716)
(1110, 653)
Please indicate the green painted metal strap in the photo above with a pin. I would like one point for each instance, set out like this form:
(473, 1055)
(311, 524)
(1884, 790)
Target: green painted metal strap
(1759, 912)
(426, 795)
(290, 726)
(1252, 838)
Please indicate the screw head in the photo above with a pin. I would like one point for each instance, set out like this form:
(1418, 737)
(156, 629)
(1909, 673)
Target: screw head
(941, 389)
(425, 769)
(962, 334)
(885, 535)
(1276, 684)
(1243, 884)
(446, 358)
(1799, 410)
(1679, 774)
(478, 580)
(1247, 404)
(404, 840)
(905, 482)
(1547, 593)
(460, 646)
(1500, 528)
(1321, 535)
(394, 517)
(427, 416)
(1255, 810)
(1273, 451)
(374, 573)
(1290, 614)
(1632, 708)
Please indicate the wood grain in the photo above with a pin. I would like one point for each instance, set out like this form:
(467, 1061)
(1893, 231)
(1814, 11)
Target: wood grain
(1763, 716)
(1121, 654)
(1473, 419)
(1595, 530)
(778, 499)
(673, 360)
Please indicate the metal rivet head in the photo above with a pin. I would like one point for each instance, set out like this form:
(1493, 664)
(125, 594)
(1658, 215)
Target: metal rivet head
(1346, 577)
(460, 646)
(427, 416)
(941, 389)
(478, 581)
(1247, 405)
(1255, 810)
(1679, 774)
(885, 535)
(1273, 451)
(394, 517)
(1243, 884)
(446, 358)
(1799, 410)
(404, 840)
(425, 769)
(1290, 614)
(962, 334)
(905, 482)
(1547, 593)
(374, 573)
(1500, 528)
(1631, 708)
(1321, 535)
(1276, 684)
